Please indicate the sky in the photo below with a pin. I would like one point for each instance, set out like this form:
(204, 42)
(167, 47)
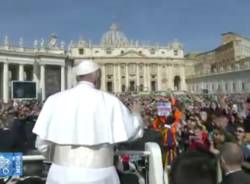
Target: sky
(197, 24)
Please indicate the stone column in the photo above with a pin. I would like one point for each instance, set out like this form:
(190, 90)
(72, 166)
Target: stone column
(238, 86)
(5, 82)
(119, 78)
(209, 87)
(183, 79)
(222, 86)
(73, 77)
(21, 72)
(232, 86)
(127, 77)
(70, 76)
(114, 78)
(137, 77)
(182, 83)
(103, 82)
(35, 76)
(145, 84)
(248, 86)
(170, 77)
(159, 77)
(167, 77)
(203, 86)
(42, 81)
(148, 78)
(62, 78)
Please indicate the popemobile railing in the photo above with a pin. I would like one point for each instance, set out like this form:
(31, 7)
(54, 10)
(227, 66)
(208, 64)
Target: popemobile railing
(145, 165)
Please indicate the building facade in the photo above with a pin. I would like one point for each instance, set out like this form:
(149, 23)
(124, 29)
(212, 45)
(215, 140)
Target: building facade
(126, 65)
(44, 64)
(131, 66)
(225, 69)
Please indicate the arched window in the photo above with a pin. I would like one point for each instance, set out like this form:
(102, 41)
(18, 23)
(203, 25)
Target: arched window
(109, 86)
(177, 81)
(243, 86)
(132, 85)
(123, 88)
(153, 86)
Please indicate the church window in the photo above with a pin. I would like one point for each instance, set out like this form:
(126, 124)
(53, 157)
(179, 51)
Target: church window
(243, 87)
(81, 51)
(175, 52)
(123, 88)
(153, 86)
(234, 87)
(109, 69)
(132, 68)
(109, 86)
(108, 51)
(153, 68)
(141, 87)
(132, 85)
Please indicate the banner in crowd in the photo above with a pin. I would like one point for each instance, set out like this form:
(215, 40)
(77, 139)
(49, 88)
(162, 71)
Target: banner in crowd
(163, 108)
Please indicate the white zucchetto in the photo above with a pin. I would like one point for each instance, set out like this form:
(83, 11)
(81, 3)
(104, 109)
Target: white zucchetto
(86, 67)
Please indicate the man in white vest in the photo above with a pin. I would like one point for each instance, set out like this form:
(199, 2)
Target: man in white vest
(78, 128)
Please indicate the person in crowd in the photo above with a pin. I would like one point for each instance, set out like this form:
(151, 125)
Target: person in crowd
(159, 122)
(247, 114)
(193, 167)
(7, 140)
(16, 129)
(169, 145)
(231, 160)
(21, 129)
(242, 141)
(214, 107)
(78, 128)
(240, 135)
(199, 139)
(222, 122)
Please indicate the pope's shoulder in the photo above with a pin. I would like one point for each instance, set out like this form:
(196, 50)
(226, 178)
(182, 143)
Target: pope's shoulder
(69, 92)
(109, 95)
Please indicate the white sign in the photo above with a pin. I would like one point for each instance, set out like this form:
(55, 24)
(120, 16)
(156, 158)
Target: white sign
(163, 108)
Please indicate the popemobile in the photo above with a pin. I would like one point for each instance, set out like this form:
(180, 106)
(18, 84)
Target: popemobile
(134, 167)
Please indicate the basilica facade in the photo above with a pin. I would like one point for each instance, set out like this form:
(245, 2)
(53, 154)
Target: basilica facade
(126, 65)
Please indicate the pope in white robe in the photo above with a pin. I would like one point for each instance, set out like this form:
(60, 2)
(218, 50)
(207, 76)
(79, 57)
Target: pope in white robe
(77, 129)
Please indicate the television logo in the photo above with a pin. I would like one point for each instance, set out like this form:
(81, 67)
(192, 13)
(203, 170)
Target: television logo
(11, 164)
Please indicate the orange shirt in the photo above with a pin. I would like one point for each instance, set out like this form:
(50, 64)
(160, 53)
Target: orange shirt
(178, 115)
(159, 122)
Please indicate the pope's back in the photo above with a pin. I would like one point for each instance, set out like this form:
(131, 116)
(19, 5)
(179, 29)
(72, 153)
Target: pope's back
(77, 129)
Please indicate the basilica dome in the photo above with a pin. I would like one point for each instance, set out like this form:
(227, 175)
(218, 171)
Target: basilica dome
(176, 45)
(114, 38)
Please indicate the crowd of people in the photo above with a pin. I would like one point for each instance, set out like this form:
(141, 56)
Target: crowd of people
(17, 119)
(215, 126)
(195, 123)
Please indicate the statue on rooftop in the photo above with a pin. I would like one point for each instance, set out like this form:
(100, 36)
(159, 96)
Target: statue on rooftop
(35, 43)
(20, 42)
(6, 40)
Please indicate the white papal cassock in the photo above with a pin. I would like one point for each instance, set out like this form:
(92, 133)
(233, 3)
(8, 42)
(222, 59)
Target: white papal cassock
(77, 129)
